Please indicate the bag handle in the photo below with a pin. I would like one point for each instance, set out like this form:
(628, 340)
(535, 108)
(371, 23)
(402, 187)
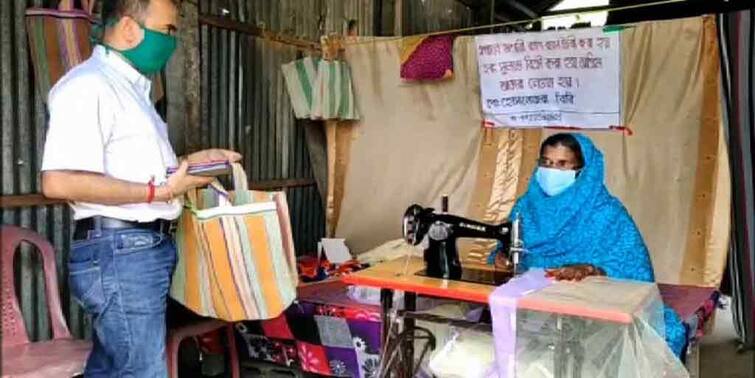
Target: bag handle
(191, 199)
(240, 186)
(68, 5)
(240, 181)
(192, 196)
(221, 193)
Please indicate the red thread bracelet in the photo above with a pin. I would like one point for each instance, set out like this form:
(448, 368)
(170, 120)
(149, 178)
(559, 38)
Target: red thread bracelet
(151, 192)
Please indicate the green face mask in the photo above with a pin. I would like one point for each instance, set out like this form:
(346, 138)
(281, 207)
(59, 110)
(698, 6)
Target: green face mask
(152, 53)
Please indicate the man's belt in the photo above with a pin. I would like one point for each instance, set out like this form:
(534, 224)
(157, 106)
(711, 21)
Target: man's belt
(83, 226)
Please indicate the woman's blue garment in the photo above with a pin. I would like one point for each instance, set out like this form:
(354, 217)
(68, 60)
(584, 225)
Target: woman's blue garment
(585, 224)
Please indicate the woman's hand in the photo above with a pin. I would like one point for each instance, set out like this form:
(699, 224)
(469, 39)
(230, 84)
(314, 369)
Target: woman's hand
(576, 272)
(213, 154)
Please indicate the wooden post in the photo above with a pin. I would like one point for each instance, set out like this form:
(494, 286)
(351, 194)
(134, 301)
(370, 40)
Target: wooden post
(330, 210)
(492, 13)
(193, 101)
(317, 146)
(175, 93)
(398, 23)
(331, 46)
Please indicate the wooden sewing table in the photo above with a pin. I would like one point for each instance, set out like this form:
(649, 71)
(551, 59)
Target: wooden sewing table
(401, 274)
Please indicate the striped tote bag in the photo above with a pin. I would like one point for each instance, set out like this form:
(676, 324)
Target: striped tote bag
(59, 39)
(236, 258)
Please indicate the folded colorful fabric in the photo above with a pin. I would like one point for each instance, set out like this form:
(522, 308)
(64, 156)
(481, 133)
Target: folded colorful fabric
(427, 58)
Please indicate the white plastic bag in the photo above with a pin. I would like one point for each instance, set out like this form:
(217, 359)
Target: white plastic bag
(465, 354)
(371, 296)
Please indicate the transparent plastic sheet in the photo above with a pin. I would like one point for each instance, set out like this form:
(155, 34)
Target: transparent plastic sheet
(551, 345)
(596, 328)
(446, 333)
(466, 353)
(371, 296)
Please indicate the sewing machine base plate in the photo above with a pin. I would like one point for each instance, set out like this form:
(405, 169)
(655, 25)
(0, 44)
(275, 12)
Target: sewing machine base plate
(479, 276)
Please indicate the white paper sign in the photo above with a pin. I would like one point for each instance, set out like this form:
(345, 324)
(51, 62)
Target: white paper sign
(565, 78)
(336, 250)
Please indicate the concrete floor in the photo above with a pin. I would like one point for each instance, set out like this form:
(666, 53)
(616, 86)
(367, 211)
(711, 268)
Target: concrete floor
(718, 354)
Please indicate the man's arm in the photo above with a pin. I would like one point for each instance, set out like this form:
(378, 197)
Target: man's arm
(93, 187)
(97, 188)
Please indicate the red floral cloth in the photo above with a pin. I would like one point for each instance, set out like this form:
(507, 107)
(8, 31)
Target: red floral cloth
(313, 358)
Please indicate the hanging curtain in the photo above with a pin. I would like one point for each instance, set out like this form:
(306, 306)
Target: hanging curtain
(737, 36)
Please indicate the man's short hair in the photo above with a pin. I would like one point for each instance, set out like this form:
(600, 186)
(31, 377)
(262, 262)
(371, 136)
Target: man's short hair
(114, 10)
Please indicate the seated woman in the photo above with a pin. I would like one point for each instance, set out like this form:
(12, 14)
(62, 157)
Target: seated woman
(574, 228)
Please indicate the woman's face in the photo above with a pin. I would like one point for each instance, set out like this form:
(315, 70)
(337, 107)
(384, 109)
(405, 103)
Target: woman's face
(559, 157)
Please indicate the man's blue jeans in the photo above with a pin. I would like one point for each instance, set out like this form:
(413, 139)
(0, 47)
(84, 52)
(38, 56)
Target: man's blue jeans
(121, 278)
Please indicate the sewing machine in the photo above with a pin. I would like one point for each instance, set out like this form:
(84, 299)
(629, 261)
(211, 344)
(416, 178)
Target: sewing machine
(443, 230)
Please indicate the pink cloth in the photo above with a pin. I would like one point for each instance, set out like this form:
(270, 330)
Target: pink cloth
(695, 305)
(503, 304)
(688, 300)
(432, 59)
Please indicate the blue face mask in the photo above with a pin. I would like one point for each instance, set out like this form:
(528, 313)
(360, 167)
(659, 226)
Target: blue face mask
(555, 181)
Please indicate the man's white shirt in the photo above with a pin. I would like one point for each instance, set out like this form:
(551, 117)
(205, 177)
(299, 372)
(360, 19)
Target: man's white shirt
(102, 120)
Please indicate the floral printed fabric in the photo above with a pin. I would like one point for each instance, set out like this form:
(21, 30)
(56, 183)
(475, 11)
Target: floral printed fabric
(313, 358)
(328, 340)
(343, 362)
(277, 328)
(269, 350)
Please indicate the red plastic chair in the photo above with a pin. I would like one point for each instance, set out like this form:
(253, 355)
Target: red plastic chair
(176, 335)
(62, 356)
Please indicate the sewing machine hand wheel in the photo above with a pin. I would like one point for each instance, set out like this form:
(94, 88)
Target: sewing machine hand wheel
(411, 224)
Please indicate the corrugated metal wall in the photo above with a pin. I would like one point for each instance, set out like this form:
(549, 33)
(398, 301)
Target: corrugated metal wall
(425, 16)
(245, 104)
(245, 107)
(305, 19)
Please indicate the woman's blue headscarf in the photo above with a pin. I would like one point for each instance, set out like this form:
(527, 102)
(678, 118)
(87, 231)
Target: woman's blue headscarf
(587, 225)
(583, 225)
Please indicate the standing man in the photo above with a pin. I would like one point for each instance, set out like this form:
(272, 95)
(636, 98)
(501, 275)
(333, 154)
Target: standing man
(107, 152)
